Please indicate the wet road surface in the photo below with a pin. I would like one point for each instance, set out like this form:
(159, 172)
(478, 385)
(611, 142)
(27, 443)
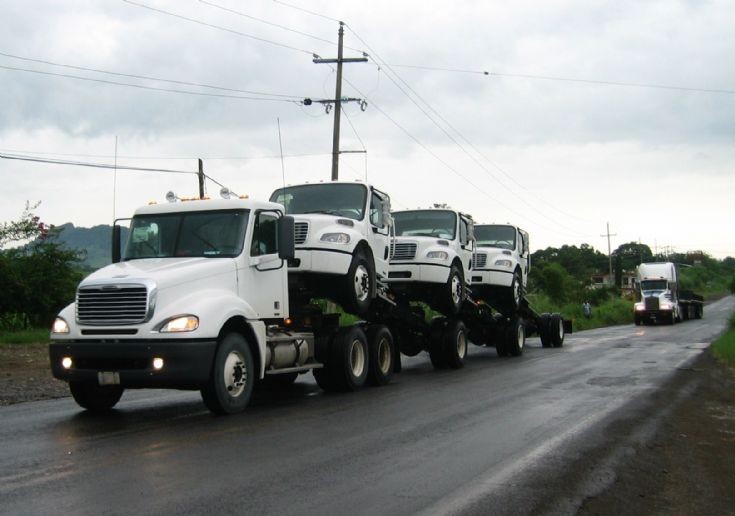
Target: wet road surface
(436, 442)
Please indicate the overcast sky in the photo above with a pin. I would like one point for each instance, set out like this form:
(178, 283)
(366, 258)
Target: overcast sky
(560, 158)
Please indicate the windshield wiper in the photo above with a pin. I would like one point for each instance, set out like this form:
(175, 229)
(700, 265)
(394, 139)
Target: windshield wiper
(328, 212)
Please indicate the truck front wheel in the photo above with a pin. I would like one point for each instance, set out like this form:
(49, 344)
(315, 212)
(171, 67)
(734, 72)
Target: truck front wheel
(359, 289)
(454, 293)
(95, 398)
(233, 376)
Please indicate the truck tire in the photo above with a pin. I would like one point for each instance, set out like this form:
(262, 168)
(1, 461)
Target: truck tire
(233, 376)
(95, 398)
(516, 287)
(358, 288)
(699, 312)
(453, 293)
(543, 330)
(515, 337)
(501, 348)
(381, 354)
(556, 330)
(454, 344)
(436, 336)
(637, 319)
(349, 361)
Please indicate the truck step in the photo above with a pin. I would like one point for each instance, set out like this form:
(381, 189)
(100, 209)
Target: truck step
(298, 369)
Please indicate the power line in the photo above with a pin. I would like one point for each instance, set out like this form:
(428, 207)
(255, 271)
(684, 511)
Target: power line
(568, 79)
(19, 157)
(461, 147)
(149, 78)
(154, 88)
(313, 13)
(219, 27)
(272, 24)
(210, 158)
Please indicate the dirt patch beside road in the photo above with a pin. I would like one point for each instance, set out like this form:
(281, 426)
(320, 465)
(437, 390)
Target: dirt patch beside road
(688, 467)
(25, 374)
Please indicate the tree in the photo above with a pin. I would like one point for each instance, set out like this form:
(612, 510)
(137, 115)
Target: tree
(38, 278)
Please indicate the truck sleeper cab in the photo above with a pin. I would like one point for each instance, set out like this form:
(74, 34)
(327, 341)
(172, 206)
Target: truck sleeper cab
(500, 266)
(342, 236)
(432, 257)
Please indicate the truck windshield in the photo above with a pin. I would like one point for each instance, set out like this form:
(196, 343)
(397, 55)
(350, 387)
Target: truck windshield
(500, 236)
(430, 223)
(339, 199)
(210, 234)
(654, 285)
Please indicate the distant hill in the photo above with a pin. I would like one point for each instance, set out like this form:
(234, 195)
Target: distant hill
(94, 241)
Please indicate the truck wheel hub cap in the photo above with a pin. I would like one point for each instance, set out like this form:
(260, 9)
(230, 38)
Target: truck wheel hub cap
(384, 358)
(235, 373)
(456, 290)
(362, 283)
(461, 344)
(357, 358)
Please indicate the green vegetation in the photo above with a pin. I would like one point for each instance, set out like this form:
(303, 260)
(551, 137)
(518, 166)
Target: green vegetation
(611, 311)
(724, 347)
(29, 336)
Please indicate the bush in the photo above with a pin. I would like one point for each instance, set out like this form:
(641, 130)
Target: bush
(724, 347)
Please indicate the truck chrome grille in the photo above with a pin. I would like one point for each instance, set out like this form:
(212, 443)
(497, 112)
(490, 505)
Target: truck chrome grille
(404, 251)
(112, 304)
(301, 231)
(479, 260)
(651, 303)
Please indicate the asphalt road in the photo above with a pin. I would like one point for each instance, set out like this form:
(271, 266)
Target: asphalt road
(484, 439)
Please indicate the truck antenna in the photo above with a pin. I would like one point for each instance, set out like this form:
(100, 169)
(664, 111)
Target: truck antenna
(283, 167)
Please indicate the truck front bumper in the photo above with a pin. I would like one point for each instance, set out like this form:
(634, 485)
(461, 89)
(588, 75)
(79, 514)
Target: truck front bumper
(500, 278)
(321, 261)
(401, 272)
(187, 363)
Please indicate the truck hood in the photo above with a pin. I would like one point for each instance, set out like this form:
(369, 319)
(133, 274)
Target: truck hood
(165, 272)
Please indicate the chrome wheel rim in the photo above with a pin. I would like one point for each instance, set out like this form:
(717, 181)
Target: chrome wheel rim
(560, 329)
(357, 358)
(235, 374)
(456, 289)
(521, 336)
(362, 283)
(516, 291)
(384, 356)
(461, 344)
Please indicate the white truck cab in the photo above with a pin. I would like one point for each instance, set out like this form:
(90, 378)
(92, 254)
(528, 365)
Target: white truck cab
(432, 257)
(501, 265)
(343, 232)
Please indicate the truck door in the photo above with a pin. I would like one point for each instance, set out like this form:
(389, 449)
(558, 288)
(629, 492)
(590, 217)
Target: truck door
(466, 246)
(379, 231)
(524, 256)
(262, 280)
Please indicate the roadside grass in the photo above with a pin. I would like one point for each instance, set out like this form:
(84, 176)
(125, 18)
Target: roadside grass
(29, 336)
(724, 347)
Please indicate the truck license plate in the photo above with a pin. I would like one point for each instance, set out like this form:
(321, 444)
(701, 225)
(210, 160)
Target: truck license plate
(108, 378)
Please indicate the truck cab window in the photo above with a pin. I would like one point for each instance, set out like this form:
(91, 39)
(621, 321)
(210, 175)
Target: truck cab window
(463, 231)
(265, 234)
(376, 211)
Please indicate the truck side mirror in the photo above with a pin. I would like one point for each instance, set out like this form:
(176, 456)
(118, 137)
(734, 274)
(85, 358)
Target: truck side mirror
(115, 243)
(286, 248)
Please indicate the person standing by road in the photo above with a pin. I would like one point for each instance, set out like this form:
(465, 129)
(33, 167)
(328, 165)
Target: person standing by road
(587, 309)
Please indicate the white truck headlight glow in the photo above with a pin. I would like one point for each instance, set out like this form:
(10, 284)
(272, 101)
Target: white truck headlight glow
(60, 326)
(336, 238)
(639, 307)
(181, 323)
(439, 255)
(158, 363)
(503, 263)
(66, 362)
(665, 306)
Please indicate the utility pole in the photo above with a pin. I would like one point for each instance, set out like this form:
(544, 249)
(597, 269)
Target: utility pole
(609, 252)
(338, 97)
(201, 179)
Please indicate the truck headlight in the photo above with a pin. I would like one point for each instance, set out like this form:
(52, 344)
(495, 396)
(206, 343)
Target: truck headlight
(60, 326)
(181, 323)
(639, 307)
(336, 238)
(665, 306)
(503, 263)
(439, 255)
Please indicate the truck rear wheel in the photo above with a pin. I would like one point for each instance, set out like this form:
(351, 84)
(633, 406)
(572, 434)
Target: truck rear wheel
(543, 330)
(95, 398)
(233, 376)
(436, 335)
(515, 337)
(556, 330)
(381, 354)
(359, 287)
(454, 344)
(346, 364)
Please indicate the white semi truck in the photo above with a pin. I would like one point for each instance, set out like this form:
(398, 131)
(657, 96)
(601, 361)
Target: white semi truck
(200, 301)
(662, 299)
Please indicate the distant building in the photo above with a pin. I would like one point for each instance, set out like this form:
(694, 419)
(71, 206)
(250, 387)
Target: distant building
(627, 281)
